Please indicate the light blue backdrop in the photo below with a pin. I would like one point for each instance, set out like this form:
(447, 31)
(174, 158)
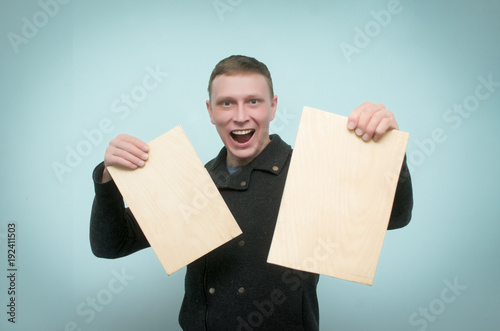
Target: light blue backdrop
(67, 66)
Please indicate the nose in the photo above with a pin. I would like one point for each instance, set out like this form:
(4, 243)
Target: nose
(241, 114)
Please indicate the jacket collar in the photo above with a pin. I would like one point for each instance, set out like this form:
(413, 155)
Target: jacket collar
(272, 159)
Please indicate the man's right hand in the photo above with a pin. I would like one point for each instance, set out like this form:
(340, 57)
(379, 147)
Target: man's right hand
(125, 151)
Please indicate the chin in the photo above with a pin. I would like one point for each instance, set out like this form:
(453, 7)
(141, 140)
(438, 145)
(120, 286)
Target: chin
(243, 154)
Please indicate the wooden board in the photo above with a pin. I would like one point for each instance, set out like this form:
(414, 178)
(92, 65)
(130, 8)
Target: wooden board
(175, 202)
(337, 199)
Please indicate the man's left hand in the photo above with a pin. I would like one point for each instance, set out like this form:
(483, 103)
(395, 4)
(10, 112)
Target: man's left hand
(371, 121)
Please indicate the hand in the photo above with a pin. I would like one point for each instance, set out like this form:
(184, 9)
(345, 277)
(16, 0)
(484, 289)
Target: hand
(125, 151)
(371, 120)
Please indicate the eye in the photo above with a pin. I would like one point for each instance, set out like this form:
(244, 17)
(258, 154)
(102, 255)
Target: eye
(254, 101)
(226, 103)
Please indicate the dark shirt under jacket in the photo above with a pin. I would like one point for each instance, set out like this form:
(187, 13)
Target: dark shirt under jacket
(233, 287)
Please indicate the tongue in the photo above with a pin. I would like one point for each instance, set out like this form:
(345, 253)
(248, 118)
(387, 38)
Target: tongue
(242, 138)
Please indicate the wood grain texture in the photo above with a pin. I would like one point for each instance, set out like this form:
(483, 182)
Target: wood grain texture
(337, 199)
(175, 202)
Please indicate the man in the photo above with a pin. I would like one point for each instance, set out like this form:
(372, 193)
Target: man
(233, 287)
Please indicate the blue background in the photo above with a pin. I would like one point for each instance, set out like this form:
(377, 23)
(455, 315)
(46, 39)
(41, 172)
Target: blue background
(60, 79)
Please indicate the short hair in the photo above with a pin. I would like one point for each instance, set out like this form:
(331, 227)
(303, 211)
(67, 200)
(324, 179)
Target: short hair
(240, 64)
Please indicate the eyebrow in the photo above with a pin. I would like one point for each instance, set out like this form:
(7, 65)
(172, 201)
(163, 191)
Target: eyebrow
(255, 96)
(247, 97)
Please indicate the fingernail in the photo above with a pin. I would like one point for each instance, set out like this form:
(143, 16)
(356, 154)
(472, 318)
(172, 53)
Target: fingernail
(351, 125)
(145, 156)
(365, 137)
(141, 163)
(145, 148)
(359, 132)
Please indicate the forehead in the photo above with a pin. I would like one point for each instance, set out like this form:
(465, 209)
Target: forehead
(239, 84)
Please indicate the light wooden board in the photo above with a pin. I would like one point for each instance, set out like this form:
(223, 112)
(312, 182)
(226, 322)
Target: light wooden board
(175, 202)
(337, 199)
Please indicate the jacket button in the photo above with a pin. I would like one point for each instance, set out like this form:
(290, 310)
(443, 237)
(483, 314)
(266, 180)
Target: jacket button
(241, 290)
(241, 243)
(243, 183)
(276, 168)
(211, 290)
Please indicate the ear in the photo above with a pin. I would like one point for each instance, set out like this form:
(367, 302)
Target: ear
(210, 111)
(274, 106)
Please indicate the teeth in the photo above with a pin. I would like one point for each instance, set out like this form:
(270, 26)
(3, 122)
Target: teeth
(241, 132)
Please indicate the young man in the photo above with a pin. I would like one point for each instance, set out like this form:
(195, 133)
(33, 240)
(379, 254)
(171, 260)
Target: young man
(233, 287)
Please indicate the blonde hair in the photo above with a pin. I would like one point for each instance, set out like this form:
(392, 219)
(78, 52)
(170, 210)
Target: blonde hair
(237, 64)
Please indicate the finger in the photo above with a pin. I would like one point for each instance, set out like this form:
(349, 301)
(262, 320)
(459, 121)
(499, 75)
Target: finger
(121, 162)
(128, 148)
(374, 123)
(133, 140)
(352, 121)
(126, 151)
(382, 128)
(127, 156)
(388, 123)
(113, 158)
(366, 116)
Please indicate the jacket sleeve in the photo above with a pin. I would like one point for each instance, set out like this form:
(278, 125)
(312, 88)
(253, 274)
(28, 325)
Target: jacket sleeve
(403, 200)
(114, 232)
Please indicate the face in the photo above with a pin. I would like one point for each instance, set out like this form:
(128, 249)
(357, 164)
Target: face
(241, 109)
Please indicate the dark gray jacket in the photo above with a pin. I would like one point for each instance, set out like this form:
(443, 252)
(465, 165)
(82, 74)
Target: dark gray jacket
(233, 287)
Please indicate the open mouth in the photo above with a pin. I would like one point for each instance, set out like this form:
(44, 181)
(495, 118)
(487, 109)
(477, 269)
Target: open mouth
(242, 136)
